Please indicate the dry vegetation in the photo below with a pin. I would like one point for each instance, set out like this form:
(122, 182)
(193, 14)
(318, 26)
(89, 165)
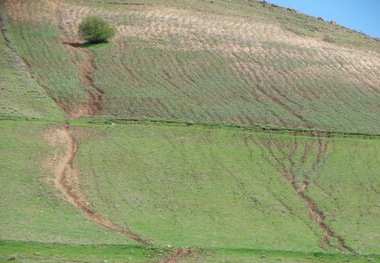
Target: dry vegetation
(210, 63)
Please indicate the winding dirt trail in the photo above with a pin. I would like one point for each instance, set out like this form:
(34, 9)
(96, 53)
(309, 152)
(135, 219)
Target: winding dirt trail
(68, 181)
(85, 66)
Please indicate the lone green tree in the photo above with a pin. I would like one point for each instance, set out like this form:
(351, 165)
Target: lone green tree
(95, 30)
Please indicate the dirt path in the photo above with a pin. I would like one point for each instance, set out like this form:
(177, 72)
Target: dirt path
(68, 181)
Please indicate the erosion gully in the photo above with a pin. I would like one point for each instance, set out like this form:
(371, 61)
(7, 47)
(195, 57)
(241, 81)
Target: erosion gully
(67, 178)
(287, 170)
(68, 181)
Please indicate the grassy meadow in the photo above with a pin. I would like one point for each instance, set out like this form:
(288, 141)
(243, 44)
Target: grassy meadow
(179, 147)
(221, 190)
(31, 208)
(55, 252)
(227, 189)
(49, 63)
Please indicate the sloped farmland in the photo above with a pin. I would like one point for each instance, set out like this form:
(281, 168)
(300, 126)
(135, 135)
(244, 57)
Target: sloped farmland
(224, 62)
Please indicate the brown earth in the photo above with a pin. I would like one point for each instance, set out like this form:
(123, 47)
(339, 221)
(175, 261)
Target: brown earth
(179, 253)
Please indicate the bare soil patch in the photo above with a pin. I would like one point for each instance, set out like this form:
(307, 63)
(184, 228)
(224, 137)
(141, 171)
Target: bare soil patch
(178, 254)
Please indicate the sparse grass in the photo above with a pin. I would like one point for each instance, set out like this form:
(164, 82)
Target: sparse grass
(20, 94)
(210, 86)
(241, 69)
(297, 23)
(50, 63)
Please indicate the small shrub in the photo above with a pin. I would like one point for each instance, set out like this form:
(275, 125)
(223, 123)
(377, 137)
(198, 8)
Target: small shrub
(95, 30)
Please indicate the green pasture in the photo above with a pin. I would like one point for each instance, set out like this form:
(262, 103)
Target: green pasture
(153, 163)
(31, 208)
(55, 252)
(39, 44)
(23, 251)
(216, 188)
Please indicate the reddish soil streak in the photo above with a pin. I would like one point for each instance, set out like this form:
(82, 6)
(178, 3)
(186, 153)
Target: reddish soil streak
(314, 213)
(94, 102)
(178, 253)
(68, 182)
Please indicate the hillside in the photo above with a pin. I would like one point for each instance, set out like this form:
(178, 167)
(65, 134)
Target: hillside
(226, 61)
(205, 131)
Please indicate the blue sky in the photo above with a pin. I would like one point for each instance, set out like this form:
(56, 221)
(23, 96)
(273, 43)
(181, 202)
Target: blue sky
(361, 15)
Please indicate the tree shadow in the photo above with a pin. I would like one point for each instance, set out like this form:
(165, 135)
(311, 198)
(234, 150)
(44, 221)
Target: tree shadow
(73, 44)
(86, 44)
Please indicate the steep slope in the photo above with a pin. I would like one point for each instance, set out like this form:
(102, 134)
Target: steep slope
(214, 62)
(20, 94)
(236, 194)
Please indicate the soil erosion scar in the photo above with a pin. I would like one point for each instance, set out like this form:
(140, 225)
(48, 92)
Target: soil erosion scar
(178, 253)
(300, 185)
(68, 182)
(94, 102)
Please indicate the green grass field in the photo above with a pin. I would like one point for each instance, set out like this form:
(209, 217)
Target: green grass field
(50, 63)
(221, 188)
(32, 209)
(180, 145)
(207, 85)
(54, 252)
(217, 189)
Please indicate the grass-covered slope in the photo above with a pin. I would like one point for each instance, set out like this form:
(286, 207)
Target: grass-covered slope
(189, 186)
(232, 193)
(227, 61)
(228, 192)
(20, 94)
(31, 208)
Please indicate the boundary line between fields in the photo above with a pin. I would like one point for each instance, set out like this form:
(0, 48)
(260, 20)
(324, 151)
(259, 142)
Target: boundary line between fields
(211, 125)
